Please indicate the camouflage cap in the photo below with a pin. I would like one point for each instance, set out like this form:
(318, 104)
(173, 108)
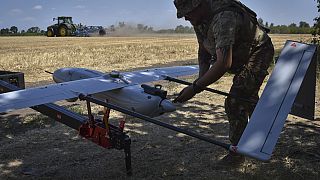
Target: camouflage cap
(185, 6)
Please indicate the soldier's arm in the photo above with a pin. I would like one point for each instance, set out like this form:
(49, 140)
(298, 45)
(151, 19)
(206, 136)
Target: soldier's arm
(224, 35)
(220, 67)
(203, 56)
(204, 59)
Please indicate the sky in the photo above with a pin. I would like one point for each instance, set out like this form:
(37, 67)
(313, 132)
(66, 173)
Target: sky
(156, 13)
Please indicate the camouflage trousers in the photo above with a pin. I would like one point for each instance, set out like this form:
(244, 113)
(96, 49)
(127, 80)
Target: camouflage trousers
(246, 84)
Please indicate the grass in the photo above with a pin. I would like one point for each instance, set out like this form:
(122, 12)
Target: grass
(56, 152)
(34, 55)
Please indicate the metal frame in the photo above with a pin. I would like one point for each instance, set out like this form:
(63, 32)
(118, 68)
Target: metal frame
(101, 132)
(154, 121)
(92, 129)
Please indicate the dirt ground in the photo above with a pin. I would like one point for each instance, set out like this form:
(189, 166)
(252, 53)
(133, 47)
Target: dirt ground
(36, 147)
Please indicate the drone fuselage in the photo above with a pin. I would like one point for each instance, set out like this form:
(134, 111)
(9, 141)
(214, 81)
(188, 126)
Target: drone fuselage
(132, 97)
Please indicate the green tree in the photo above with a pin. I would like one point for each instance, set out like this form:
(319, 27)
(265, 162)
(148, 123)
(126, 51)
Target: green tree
(4, 31)
(183, 29)
(292, 28)
(34, 30)
(316, 28)
(316, 34)
(14, 29)
(303, 24)
(293, 25)
(271, 25)
(179, 29)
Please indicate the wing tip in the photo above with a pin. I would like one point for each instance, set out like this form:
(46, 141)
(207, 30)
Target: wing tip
(254, 154)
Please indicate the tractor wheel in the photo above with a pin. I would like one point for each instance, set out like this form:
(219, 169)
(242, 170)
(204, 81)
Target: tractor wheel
(50, 33)
(63, 31)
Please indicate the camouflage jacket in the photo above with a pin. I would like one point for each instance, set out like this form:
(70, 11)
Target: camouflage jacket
(227, 28)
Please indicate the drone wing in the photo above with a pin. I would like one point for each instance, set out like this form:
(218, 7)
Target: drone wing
(265, 125)
(55, 92)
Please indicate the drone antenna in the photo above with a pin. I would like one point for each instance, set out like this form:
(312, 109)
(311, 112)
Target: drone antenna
(48, 72)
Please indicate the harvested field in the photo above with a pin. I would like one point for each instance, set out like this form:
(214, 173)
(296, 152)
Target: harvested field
(36, 147)
(279, 39)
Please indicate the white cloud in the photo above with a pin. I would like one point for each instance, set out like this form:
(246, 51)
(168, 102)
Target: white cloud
(38, 7)
(14, 12)
(79, 7)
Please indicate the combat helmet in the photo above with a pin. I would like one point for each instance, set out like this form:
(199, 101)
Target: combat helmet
(185, 6)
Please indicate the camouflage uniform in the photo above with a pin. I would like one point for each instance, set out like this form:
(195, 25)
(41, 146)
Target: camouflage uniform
(252, 53)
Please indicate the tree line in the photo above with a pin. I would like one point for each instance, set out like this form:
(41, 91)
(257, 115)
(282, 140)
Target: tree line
(301, 28)
(316, 37)
(141, 28)
(316, 29)
(14, 31)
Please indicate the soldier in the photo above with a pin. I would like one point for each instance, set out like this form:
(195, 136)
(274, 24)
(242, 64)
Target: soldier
(228, 32)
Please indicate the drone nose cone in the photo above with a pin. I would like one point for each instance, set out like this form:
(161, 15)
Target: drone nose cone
(167, 106)
(58, 76)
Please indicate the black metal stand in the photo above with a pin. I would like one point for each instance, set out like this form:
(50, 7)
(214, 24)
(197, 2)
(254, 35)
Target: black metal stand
(88, 127)
(127, 152)
(146, 118)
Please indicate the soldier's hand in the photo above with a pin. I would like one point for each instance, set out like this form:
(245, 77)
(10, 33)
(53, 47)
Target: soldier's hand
(186, 94)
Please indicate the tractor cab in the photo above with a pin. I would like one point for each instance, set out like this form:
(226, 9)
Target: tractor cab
(64, 27)
(64, 19)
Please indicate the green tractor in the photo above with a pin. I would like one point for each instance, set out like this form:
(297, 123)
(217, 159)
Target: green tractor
(63, 28)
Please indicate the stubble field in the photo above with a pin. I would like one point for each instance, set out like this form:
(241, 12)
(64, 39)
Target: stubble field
(33, 146)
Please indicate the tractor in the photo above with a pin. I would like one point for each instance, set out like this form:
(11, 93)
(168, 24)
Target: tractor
(64, 27)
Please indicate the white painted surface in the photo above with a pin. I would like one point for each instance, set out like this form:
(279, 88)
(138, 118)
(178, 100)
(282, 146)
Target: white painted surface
(67, 90)
(269, 116)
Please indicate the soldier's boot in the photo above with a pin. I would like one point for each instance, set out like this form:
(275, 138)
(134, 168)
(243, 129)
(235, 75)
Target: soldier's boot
(232, 160)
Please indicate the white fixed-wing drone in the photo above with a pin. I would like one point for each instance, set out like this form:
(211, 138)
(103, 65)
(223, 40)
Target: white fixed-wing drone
(122, 89)
(290, 89)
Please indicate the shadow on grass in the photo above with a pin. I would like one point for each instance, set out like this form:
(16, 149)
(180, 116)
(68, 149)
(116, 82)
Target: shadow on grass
(16, 124)
(156, 151)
